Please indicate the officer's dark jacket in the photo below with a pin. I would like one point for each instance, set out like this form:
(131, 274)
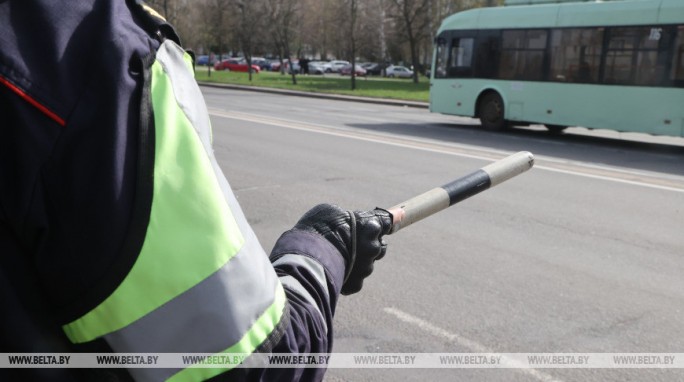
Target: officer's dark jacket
(118, 231)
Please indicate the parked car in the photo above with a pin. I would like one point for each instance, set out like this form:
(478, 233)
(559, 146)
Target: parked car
(336, 65)
(275, 65)
(398, 71)
(207, 60)
(319, 67)
(236, 65)
(372, 68)
(292, 65)
(358, 70)
(262, 63)
(202, 60)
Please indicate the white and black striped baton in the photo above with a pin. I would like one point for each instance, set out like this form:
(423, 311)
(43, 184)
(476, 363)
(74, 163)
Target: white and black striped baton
(437, 199)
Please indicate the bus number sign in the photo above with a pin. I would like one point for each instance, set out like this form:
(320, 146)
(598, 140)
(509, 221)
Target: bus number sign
(655, 34)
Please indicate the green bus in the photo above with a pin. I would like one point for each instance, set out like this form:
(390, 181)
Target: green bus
(615, 65)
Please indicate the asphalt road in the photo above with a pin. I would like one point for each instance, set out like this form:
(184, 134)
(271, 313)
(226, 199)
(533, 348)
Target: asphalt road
(584, 253)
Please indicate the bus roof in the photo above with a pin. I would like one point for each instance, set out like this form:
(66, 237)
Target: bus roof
(578, 14)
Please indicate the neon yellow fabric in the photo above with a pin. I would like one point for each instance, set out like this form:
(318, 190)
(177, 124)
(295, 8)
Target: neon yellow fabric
(191, 232)
(256, 335)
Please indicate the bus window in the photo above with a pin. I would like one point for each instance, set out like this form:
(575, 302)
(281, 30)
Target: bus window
(461, 57)
(647, 68)
(522, 54)
(652, 55)
(619, 67)
(487, 54)
(441, 57)
(635, 56)
(576, 54)
(677, 67)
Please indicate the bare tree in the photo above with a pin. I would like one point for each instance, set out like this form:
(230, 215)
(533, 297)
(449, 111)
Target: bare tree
(412, 22)
(217, 24)
(369, 30)
(250, 26)
(353, 8)
(282, 18)
(382, 30)
(379, 22)
(315, 27)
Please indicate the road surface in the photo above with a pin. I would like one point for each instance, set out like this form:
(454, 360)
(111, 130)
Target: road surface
(582, 254)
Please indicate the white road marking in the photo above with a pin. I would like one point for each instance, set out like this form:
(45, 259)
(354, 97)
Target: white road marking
(613, 179)
(464, 342)
(587, 170)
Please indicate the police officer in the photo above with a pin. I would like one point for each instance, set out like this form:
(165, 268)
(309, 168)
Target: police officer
(118, 231)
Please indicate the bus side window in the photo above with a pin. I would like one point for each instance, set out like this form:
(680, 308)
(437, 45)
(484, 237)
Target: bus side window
(522, 55)
(652, 55)
(677, 66)
(576, 54)
(637, 55)
(461, 57)
(487, 54)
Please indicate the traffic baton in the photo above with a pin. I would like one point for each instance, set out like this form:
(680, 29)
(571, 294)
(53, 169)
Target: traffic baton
(439, 198)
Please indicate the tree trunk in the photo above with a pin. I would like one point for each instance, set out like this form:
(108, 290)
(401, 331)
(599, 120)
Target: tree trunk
(414, 59)
(352, 24)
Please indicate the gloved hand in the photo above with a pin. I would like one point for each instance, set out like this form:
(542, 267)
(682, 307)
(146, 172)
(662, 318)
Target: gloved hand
(356, 235)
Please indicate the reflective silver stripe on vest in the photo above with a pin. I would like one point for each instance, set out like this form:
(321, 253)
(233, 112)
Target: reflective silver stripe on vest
(188, 95)
(207, 318)
(220, 310)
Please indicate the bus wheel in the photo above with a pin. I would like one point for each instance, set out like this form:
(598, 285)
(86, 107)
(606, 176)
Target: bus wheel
(491, 112)
(555, 129)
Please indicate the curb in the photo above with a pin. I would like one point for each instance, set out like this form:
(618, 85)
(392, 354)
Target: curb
(338, 97)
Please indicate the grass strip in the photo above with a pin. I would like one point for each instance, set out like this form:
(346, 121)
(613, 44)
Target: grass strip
(376, 87)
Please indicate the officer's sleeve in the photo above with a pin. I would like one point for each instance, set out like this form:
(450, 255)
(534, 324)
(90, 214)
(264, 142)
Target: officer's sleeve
(311, 271)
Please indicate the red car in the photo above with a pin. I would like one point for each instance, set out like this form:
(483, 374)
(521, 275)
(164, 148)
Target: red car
(235, 65)
(346, 71)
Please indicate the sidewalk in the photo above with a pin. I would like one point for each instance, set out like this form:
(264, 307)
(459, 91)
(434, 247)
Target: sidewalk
(338, 97)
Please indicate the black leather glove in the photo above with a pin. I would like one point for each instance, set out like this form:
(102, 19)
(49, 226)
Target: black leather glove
(356, 235)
